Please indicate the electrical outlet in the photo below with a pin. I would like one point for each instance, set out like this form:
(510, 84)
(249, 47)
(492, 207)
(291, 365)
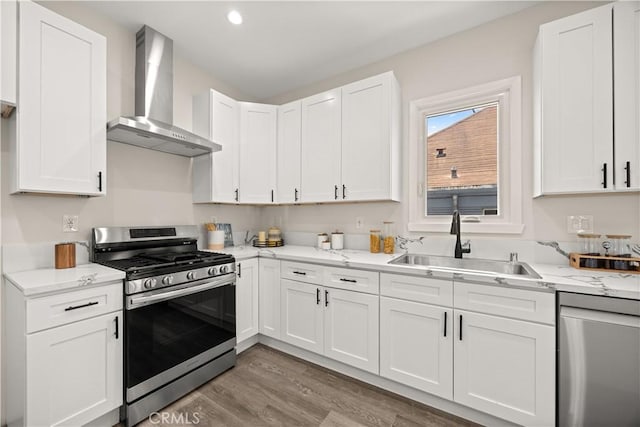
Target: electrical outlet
(580, 224)
(69, 223)
(359, 222)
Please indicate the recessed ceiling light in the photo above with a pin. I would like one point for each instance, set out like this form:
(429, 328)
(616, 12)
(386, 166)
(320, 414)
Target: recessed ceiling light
(234, 17)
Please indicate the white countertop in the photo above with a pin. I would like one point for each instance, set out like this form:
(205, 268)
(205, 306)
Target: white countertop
(48, 280)
(553, 277)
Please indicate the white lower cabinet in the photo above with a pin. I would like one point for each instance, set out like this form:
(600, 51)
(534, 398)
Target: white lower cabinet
(247, 283)
(505, 367)
(74, 372)
(269, 297)
(302, 318)
(416, 345)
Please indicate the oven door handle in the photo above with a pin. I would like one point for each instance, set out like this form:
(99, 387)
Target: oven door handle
(140, 300)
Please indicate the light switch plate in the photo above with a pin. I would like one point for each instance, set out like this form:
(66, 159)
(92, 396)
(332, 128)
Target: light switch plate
(580, 224)
(69, 223)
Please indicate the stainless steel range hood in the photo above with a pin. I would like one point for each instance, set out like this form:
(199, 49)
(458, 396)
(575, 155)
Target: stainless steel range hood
(152, 127)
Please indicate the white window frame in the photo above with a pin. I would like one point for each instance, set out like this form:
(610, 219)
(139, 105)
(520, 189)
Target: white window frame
(507, 93)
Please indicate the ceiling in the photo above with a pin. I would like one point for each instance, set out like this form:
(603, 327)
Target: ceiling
(285, 45)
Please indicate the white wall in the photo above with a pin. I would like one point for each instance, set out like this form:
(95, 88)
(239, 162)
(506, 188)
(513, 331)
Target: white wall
(144, 187)
(493, 51)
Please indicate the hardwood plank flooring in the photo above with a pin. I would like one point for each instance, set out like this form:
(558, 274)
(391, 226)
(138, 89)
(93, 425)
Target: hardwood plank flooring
(271, 388)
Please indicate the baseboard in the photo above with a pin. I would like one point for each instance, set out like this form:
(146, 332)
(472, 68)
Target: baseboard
(385, 384)
(247, 343)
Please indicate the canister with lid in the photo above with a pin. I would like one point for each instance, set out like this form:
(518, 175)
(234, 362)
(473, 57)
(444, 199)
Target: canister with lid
(337, 240)
(374, 241)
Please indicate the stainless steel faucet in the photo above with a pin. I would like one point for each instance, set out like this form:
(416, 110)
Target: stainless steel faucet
(455, 229)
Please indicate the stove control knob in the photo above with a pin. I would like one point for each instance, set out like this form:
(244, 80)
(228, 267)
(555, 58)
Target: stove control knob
(224, 269)
(191, 275)
(167, 280)
(212, 271)
(149, 283)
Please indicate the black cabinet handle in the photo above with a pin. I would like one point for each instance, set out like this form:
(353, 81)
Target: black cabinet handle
(100, 181)
(326, 298)
(295, 194)
(237, 192)
(302, 273)
(239, 270)
(335, 192)
(445, 324)
(344, 191)
(271, 196)
(117, 334)
(75, 307)
(342, 279)
(317, 296)
(460, 328)
(627, 170)
(604, 175)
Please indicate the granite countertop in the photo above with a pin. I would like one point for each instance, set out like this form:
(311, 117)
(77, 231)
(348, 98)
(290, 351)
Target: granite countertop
(553, 277)
(47, 280)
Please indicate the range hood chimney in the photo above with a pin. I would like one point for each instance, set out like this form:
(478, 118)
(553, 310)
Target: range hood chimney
(152, 126)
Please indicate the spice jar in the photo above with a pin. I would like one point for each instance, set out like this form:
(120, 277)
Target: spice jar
(374, 241)
(388, 237)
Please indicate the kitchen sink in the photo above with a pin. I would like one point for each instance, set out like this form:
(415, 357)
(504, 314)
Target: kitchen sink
(473, 265)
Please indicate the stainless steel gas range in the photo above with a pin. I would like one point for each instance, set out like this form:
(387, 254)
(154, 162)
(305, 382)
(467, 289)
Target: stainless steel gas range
(180, 314)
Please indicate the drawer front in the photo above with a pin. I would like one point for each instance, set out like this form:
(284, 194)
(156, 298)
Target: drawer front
(60, 309)
(352, 280)
(301, 272)
(515, 303)
(418, 289)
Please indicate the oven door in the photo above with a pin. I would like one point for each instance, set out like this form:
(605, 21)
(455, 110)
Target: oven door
(170, 332)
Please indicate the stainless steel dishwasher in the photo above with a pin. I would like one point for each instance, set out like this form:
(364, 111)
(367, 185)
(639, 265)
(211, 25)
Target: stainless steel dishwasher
(599, 361)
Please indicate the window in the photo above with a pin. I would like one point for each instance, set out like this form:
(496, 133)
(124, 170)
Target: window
(465, 155)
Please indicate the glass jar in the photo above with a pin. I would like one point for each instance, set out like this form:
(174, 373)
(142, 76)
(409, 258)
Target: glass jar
(374, 241)
(620, 245)
(389, 237)
(589, 244)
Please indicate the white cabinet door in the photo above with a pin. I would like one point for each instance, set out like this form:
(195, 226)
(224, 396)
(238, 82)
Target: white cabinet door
(8, 45)
(370, 139)
(321, 147)
(258, 152)
(74, 372)
(269, 294)
(216, 175)
(302, 315)
(416, 345)
(61, 132)
(289, 139)
(351, 328)
(576, 103)
(505, 367)
(247, 299)
(626, 38)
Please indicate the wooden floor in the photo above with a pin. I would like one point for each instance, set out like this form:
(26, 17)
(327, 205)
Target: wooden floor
(271, 388)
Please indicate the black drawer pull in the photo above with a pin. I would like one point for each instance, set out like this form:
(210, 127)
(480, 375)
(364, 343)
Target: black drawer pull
(461, 327)
(326, 298)
(344, 191)
(75, 307)
(271, 196)
(237, 193)
(302, 273)
(239, 270)
(445, 324)
(342, 279)
(604, 175)
(295, 195)
(100, 182)
(335, 192)
(317, 296)
(627, 170)
(117, 334)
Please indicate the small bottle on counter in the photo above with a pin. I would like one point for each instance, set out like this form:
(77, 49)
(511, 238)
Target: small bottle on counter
(389, 236)
(374, 241)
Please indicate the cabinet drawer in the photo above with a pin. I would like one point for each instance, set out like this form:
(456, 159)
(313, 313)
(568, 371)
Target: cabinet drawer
(302, 272)
(352, 280)
(418, 289)
(68, 307)
(515, 303)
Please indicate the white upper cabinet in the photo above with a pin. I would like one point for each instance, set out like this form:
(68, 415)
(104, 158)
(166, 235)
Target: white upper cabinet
(582, 63)
(370, 139)
(60, 144)
(626, 39)
(258, 141)
(8, 44)
(289, 137)
(321, 147)
(216, 175)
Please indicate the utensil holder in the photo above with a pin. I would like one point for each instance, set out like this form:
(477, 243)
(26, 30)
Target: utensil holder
(65, 255)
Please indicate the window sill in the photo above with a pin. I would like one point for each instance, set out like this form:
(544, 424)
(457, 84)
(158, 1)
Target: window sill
(467, 227)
